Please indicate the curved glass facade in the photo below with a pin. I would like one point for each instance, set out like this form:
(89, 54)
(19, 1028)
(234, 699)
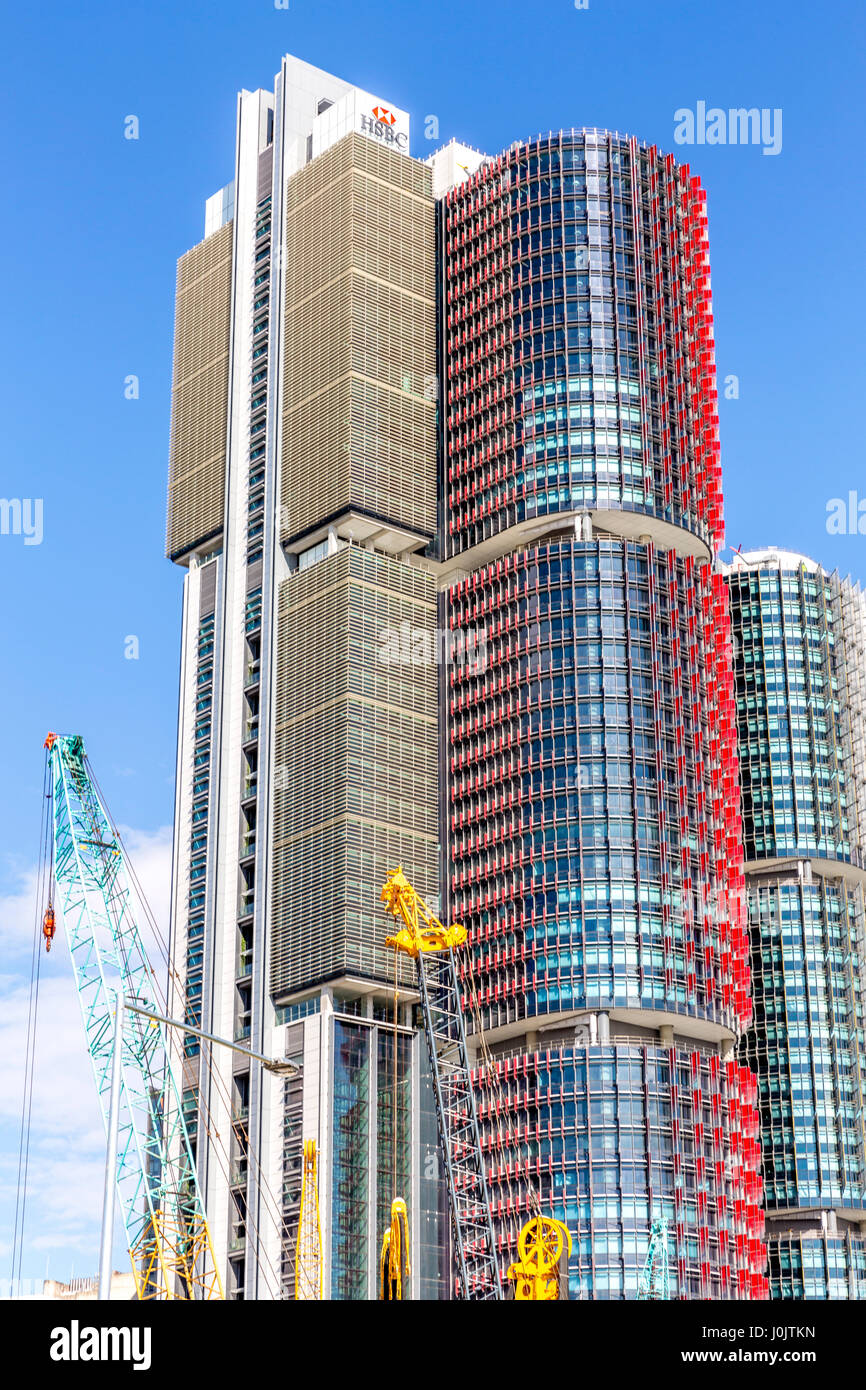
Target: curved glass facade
(592, 784)
(804, 1044)
(593, 833)
(819, 1266)
(798, 674)
(580, 340)
(793, 768)
(617, 1136)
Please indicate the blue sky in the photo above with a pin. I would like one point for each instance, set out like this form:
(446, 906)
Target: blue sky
(93, 226)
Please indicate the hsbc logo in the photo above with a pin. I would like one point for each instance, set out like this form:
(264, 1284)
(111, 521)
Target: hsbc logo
(380, 125)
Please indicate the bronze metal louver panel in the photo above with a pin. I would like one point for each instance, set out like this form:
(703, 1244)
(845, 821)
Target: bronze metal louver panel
(199, 404)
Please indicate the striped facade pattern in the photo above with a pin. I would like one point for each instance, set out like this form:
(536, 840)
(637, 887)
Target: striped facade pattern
(805, 1046)
(356, 785)
(792, 754)
(199, 409)
(580, 340)
(852, 700)
(359, 408)
(594, 830)
(799, 679)
(613, 1135)
(819, 1267)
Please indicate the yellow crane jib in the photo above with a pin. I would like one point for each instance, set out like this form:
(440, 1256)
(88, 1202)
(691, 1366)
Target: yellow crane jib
(536, 1274)
(422, 930)
(394, 1267)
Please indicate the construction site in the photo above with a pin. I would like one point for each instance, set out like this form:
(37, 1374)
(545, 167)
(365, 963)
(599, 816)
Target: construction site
(151, 1155)
(499, 953)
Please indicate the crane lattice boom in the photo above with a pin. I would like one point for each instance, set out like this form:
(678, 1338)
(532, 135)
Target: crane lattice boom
(166, 1229)
(308, 1255)
(432, 946)
(654, 1281)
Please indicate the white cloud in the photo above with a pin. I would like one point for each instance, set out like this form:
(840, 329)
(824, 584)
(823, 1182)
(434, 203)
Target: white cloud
(17, 910)
(150, 855)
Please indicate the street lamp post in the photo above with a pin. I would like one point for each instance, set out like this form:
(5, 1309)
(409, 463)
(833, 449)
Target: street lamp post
(277, 1066)
(107, 1239)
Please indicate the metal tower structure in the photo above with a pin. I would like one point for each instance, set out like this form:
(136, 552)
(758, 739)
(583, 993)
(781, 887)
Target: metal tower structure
(308, 1256)
(164, 1218)
(431, 945)
(654, 1281)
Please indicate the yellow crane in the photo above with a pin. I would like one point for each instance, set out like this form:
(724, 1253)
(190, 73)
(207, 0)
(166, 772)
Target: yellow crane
(536, 1275)
(431, 945)
(394, 1267)
(308, 1254)
(542, 1240)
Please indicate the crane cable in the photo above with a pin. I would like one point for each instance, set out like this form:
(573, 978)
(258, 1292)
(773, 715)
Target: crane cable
(44, 878)
(223, 1158)
(394, 1253)
(270, 1203)
(47, 869)
(221, 1153)
(395, 1139)
(499, 1105)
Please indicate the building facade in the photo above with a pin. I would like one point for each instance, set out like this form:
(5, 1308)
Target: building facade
(594, 843)
(302, 489)
(464, 405)
(800, 635)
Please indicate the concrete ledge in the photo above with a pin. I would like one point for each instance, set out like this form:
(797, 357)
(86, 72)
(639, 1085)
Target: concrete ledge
(607, 524)
(697, 1030)
(758, 869)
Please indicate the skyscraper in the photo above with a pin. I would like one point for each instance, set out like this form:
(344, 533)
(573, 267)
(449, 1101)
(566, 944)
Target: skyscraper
(594, 843)
(445, 480)
(302, 489)
(801, 640)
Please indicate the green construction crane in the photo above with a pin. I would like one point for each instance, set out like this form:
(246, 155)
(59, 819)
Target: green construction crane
(166, 1228)
(654, 1281)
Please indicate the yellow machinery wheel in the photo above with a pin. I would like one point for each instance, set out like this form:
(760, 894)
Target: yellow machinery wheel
(540, 1246)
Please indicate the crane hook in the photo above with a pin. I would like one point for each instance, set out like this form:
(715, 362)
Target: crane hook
(48, 927)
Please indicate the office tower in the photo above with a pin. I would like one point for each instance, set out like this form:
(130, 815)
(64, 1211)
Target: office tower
(302, 489)
(593, 829)
(445, 481)
(800, 636)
